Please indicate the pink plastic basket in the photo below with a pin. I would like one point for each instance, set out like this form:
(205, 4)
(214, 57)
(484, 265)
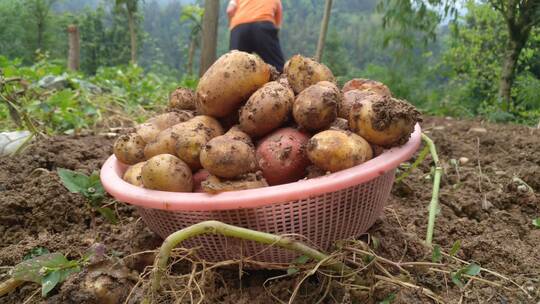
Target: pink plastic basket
(317, 211)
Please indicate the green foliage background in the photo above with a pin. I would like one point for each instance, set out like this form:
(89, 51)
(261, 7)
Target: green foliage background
(455, 74)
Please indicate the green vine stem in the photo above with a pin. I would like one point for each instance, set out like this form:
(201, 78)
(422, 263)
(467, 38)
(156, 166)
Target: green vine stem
(434, 204)
(216, 227)
(9, 285)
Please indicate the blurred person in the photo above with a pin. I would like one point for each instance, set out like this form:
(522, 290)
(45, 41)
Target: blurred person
(254, 26)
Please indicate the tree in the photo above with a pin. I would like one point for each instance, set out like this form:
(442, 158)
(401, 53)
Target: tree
(209, 34)
(193, 14)
(39, 10)
(324, 28)
(131, 7)
(521, 16)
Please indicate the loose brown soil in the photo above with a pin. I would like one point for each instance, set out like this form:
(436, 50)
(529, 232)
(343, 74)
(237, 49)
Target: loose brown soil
(490, 193)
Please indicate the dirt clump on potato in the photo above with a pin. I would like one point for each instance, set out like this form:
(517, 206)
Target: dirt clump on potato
(350, 98)
(340, 124)
(182, 99)
(266, 110)
(129, 148)
(303, 72)
(335, 150)
(316, 107)
(384, 121)
(363, 84)
(214, 184)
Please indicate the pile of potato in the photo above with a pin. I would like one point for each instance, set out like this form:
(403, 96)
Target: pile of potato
(247, 127)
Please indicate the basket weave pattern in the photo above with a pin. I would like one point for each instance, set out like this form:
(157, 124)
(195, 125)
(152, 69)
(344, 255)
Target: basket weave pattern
(320, 220)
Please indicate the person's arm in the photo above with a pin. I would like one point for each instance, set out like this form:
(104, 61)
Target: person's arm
(231, 8)
(278, 14)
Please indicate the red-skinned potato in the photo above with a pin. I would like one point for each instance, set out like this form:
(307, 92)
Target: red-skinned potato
(316, 107)
(129, 148)
(229, 82)
(282, 156)
(303, 72)
(267, 109)
(384, 121)
(199, 177)
(167, 172)
(335, 150)
(363, 84)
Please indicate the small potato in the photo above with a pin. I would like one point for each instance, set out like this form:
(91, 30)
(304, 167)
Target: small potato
(165, 143)
(363, 84)
(152, 127)
(266, 110)
(133, 174)
(282, 156)
(206, 124)
(334, 150)
(316, 107)
(214, 184)
(129, 148)
(148, 131)
(182, 99)
(167, 172)
(225, 157)
(199, 177)
(384, 121)
(304, 72)
(351, 98)
(189, 144)
(229, 82)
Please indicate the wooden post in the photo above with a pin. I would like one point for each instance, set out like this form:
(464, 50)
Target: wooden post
(324, 28)
(209, 34)
(74, 48)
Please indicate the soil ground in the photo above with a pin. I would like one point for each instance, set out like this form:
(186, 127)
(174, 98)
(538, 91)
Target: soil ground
(490, 193)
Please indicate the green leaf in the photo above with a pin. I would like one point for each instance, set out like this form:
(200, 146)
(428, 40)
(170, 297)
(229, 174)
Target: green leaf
(472, 269)
(108, 214)
(455, 247)
(49, 282)
(74, 181)
(300, 260)
(436, 255)
(536, 222)
(389, 299)
(65, 273)
(35, 252)
(34, 269)
(456, 278)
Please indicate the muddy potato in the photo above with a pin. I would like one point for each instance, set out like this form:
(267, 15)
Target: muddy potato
(182, 99)
(133, 174)
(148, 131)
(237, 134)
(316, 107)
(129, 148)
(363, 84)
(351, 98)
(266, 110)
(189, 144)
(384, 121)
(152, 127)
(335, 150)
(165, 143)
(214, 184)
(303, 72)
(167, 172)
(340, 124)
(229, 82)
(207, 124)
(282, 156)
(226, 157)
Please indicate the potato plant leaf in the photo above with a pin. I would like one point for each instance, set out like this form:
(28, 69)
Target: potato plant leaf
(35, 252)
(108, 213)
(455, 248)
(300, 260)
(436, 255)
(471, 270)
(74, 181)
(389, 299)
(49, 282)
(536, 222)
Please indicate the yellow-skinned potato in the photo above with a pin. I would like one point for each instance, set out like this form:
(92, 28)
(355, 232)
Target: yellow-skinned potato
(165, 143)
(363, 84)
(384, 121)
(182, 99)
(152, 127)
(167, 172)
(303, 72)
(316, 107)
(214, 184)
(351, 98)
(226, 157)
(340, 124)
(335, 150)
(229, 82)
(148, 131)
(129, 148)
(208, 123)
(267, 109)
(237, 134)
(189, 145)
(133, 174)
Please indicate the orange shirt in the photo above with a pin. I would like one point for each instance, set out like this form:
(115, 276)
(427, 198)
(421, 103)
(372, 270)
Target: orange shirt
(246, 11)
